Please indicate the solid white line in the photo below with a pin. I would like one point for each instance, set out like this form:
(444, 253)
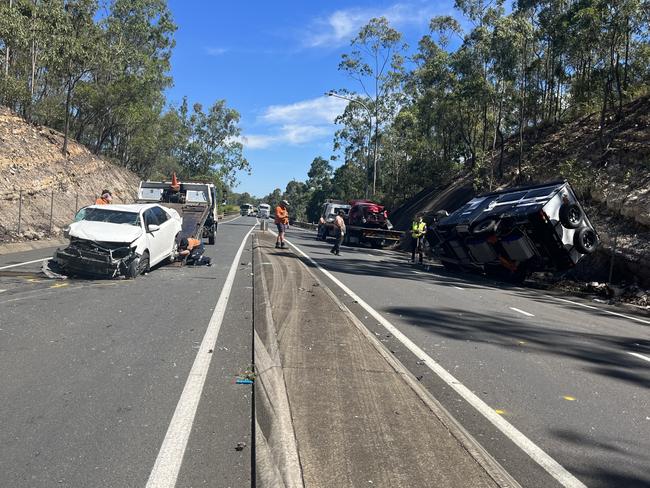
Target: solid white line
(521, 312)
(636, 319)
(23, 264)
(2, 291)
(640, 356)
(170, 457)
(458, 288)
(555, 469)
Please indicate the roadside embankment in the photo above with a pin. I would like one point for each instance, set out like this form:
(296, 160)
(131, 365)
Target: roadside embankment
(333, 406)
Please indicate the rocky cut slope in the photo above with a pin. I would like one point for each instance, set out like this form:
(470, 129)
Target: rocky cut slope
(51, 186)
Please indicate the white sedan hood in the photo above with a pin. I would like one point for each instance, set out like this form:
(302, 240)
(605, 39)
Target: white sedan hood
(105, 231)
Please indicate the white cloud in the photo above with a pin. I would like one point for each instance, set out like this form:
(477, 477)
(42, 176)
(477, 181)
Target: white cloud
(341, 26)
(216, 51)
(317, 110)
(296, 123)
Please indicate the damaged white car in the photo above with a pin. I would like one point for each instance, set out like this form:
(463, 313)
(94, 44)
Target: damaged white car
(114, 240)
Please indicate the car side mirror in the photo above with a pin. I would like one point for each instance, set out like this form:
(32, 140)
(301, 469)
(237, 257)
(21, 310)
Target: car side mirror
(153, 227)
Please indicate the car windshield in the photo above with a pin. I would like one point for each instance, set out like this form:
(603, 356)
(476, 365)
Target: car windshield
(108, 215)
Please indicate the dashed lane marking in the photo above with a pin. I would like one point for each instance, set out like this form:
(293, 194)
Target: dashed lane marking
(569, 398)
(459, 288)
(170, 457)
(640, 356)
(59, 285)
(523, 312)
(552, 467)
(2, 291)
(629, 317)
(25, 263)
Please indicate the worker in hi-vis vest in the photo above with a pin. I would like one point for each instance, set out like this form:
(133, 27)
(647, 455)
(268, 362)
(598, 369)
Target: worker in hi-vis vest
(418, 230)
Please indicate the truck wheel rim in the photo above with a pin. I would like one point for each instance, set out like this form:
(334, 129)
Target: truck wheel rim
(574, 215)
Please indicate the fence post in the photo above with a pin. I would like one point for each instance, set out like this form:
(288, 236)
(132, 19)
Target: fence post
(20, 209)
(76, 203)
(51, 212)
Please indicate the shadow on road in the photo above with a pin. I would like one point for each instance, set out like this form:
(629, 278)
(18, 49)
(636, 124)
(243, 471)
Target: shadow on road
(602, 354)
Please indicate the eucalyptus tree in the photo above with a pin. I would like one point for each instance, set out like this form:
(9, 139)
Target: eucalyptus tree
(376, 64)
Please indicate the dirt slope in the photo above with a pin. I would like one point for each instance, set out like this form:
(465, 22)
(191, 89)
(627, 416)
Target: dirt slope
(611, 173)
(31, 160)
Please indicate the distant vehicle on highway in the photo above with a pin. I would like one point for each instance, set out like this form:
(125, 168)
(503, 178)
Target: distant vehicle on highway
(246, 209)
(114, 240)
(511, 233)
(264, 211)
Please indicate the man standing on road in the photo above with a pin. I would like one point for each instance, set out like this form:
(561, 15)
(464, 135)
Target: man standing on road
(340, 232)
(418, 230)
(281, 221)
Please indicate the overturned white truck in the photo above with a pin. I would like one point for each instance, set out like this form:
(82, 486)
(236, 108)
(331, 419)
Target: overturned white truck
(510, 233)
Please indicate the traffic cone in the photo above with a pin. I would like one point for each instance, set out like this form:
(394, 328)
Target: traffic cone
(175, 184)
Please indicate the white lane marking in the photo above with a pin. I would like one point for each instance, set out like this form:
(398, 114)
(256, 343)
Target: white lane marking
(231, 220)
(170, 457)
(629, 317)
(555, 469)
(2, 291)
(640, 356)
(521, 311)
(459, 288)
(25, 263)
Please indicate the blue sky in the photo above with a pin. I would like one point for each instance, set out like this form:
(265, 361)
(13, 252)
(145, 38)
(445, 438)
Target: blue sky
(273, 62)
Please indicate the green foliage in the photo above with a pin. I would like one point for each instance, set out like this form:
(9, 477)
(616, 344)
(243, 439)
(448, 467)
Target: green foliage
(100, 76)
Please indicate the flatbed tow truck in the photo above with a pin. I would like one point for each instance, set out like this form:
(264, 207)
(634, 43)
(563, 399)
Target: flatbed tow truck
(196, 203)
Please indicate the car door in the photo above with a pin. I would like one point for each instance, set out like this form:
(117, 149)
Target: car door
(167, 232)
(154, 242)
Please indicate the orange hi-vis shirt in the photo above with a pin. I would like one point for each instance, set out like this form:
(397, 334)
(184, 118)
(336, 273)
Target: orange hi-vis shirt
(192, 243)
(281, 215)
(101, 201)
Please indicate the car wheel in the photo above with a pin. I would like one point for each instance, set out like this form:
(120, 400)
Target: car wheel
(172, 256)
(138, 266)
(585, 240)
(486, 226)
(570, 215)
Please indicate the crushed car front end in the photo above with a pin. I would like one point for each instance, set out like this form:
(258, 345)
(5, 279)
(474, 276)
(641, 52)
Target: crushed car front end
(92, 258)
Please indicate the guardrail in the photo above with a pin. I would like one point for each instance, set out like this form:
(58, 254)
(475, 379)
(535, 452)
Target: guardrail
(305, 225)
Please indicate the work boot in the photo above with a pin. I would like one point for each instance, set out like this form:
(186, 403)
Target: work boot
(277, 245)
(283, 246)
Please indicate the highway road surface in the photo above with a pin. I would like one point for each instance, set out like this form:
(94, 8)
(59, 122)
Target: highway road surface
(131, 383)
(96, 383)
(570, 378)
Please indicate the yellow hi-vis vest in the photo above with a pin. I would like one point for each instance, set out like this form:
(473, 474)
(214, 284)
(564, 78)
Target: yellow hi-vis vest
(418, 229)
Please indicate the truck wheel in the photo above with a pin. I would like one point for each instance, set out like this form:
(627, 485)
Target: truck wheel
(486, 226)
(585, 240)
(570, 215)
(212, 237)
(377, 244)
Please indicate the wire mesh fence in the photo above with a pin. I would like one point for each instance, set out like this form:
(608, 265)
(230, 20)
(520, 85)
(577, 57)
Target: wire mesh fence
(33, 215)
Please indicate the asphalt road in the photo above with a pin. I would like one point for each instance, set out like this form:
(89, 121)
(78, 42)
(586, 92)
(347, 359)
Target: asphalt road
(93, 371)
(574, 380)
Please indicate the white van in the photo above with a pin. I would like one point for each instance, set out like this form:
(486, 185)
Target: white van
(264, 211)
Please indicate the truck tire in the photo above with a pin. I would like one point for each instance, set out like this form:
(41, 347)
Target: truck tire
(570, 215)
(487, 226)
(585, 240)
(377, 243)
(213, 236)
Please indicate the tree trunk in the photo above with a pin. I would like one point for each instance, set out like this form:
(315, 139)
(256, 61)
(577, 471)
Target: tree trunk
(7, 50)
(66, 129)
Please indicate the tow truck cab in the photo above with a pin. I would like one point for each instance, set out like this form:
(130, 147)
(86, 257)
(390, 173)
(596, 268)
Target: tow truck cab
(195, 201)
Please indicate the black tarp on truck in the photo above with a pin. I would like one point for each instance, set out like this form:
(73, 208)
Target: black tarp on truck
(513, 232)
